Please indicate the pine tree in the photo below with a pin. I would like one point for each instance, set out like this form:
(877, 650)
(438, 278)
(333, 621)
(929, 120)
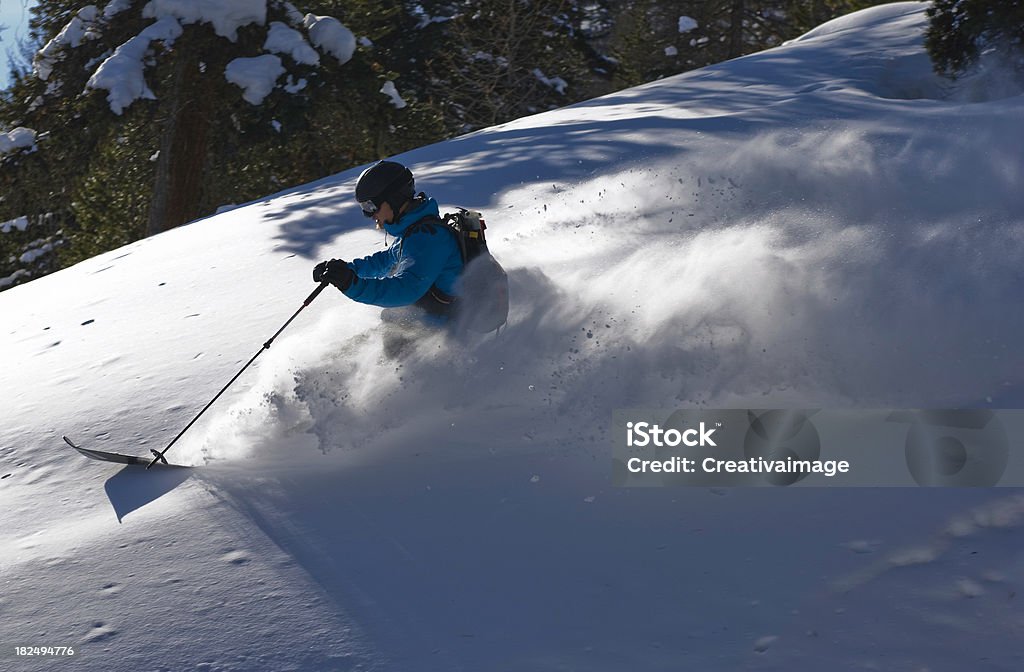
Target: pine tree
(504, 59)
(959, 31)
(108, 170)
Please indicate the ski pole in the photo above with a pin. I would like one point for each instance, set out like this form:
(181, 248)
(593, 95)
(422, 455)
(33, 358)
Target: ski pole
(158, 455)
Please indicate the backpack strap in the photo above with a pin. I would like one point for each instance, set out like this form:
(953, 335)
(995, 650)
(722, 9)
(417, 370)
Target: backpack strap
(449, 221)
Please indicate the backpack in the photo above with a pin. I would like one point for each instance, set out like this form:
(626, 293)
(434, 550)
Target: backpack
(484, 283)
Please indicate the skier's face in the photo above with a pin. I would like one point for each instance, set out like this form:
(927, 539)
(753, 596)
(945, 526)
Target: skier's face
(384, 215)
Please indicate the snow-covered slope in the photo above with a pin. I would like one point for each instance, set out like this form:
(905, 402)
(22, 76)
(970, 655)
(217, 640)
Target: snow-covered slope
(823, 224)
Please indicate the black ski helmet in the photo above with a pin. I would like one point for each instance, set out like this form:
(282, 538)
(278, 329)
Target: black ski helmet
(384, 182)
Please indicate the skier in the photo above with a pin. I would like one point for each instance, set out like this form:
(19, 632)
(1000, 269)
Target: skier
(415, 278)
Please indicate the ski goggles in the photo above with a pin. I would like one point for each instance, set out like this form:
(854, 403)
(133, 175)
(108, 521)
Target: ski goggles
(369, 208)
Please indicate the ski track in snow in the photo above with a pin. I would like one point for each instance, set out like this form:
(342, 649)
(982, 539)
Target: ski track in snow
(825, 224)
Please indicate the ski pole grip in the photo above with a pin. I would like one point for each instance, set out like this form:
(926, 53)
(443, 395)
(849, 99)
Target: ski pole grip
(316, 293)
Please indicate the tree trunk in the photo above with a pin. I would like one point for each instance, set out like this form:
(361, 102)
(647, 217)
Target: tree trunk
(183, 146)
(736, 12)
(819, 13)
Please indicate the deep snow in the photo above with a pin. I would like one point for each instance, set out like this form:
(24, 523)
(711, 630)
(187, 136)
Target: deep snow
(822, 224)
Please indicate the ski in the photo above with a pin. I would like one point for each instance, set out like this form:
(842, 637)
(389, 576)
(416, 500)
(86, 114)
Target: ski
(104, 456)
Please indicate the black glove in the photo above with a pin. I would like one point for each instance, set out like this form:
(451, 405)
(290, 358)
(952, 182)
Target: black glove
(336, 272)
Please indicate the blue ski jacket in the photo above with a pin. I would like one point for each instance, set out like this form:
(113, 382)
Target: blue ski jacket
(425, 253)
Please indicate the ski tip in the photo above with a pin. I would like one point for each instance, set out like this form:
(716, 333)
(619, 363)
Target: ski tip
(105, 456)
